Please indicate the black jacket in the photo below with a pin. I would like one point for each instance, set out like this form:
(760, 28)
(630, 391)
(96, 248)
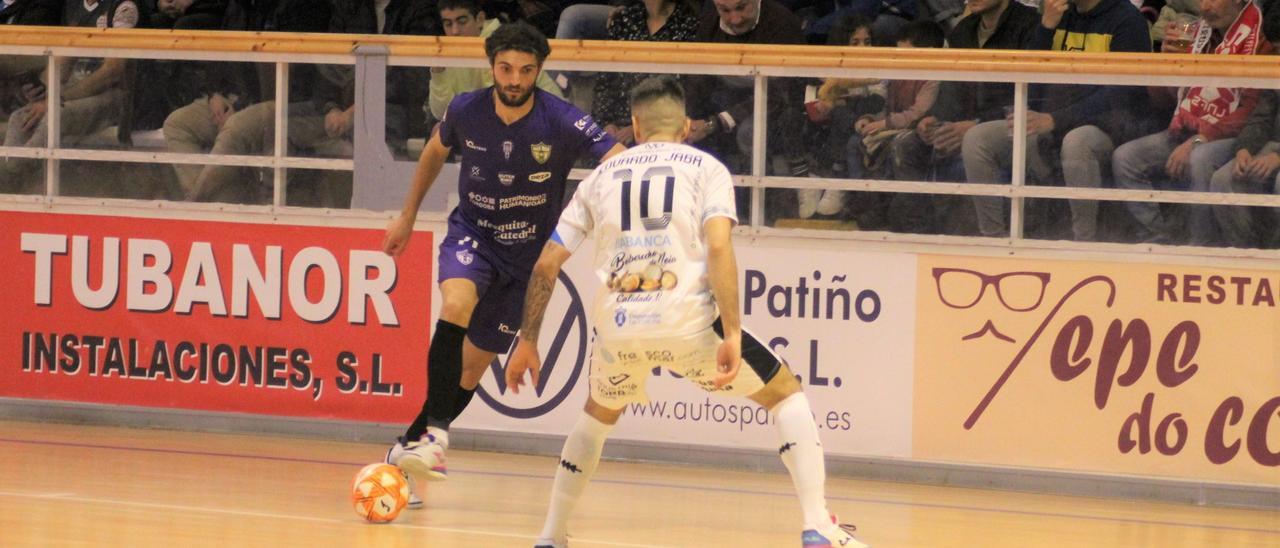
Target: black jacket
(984, 101)
(710, 96)
(407, 87)
(32, 12)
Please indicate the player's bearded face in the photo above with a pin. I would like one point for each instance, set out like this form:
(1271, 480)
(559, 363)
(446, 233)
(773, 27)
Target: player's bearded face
(514, 74)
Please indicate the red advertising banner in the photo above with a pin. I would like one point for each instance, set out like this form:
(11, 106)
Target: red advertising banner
(268, 319)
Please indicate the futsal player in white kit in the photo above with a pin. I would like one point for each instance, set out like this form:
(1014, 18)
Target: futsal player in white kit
(661, 214)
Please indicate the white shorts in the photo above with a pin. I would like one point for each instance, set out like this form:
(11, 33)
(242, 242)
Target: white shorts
(620, 368)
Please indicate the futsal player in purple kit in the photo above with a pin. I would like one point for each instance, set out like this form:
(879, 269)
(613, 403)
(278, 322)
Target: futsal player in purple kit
(517, 144)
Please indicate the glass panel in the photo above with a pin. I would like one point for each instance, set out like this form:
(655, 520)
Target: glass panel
(318, 188)
(128, 180)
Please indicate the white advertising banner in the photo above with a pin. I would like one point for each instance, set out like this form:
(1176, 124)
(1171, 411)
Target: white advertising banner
(844, 322)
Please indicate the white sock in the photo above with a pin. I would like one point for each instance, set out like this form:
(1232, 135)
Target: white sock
(441, 436)
(801, 451)
(578, 462)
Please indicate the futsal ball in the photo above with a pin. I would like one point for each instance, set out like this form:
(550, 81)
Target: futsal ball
(379, 492)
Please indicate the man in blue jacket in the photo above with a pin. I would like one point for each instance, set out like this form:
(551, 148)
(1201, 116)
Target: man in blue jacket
(1085, 121)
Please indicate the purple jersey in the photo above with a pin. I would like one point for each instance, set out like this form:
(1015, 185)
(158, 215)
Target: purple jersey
(512, 180)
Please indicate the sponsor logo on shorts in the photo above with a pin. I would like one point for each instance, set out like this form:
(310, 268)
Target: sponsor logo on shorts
(540, 177)
(464, 256)
(473, 146)
(506, 178)
(504, 328)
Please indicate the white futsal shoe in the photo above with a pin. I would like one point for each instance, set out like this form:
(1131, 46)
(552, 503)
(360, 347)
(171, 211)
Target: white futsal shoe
(831, 535)
(392, 458)
(423, 458)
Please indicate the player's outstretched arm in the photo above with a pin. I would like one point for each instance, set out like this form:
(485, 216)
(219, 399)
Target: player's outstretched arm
(722, 272)
(542, 282)
(429, 164)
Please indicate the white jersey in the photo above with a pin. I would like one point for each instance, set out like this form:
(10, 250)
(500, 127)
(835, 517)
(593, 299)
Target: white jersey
(646, 208)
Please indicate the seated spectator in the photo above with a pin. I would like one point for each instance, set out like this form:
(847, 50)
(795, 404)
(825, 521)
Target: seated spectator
(188, 14)
(1256, 166)
(1201, 136)
(868, 148)
(323, 124)
(1081, 122)
(20, 83)
(544, 15)
(222, 90)
(887, 17)
(648, 21)
(725, 108)
(31, 12)
(841, 102)
(932, 151)
(90, 94)
(465, 18)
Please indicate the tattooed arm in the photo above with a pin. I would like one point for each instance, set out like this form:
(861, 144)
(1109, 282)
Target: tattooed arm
(542, 282)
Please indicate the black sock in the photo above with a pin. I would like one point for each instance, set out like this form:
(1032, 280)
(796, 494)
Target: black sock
(463, 398)
(444, 371)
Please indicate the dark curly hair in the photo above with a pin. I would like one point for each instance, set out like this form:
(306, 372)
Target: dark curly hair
(517, 36)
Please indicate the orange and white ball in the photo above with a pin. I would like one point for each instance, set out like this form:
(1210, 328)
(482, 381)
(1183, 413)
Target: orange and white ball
(379, 492)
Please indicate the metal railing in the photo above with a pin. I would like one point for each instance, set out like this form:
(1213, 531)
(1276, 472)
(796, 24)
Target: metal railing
(372, 55)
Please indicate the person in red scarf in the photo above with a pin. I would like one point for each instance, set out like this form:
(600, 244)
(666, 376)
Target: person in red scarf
(1255, 169)
(1201, 135)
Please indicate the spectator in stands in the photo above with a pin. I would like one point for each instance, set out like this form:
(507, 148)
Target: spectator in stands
(30, 12)
(189, 14)
(932, 151)
(725, 108)
(1081, 122)
(887, 18)
(648, 21)
(868, 149)
(20, 84)
(90, 94)
(465, 18)
(1256, 166)
(1201, 136)
(225, 89)
(544, 15)
(323, 123)
(404, 90)
(840, 103)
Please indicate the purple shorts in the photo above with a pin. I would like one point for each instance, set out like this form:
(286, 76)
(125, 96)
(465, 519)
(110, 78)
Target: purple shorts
(497, 315)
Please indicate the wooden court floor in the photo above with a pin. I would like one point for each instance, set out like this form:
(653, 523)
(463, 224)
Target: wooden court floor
(73, 485)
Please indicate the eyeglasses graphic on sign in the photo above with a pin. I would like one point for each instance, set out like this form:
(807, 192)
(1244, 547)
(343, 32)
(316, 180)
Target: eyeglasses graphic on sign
(1018, 291)
(962, 288)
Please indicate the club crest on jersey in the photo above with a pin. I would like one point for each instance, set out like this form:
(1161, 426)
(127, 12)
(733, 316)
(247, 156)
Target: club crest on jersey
(507, 148)
(541, 152)
(540, 177)
(620, 317)
(464, 256)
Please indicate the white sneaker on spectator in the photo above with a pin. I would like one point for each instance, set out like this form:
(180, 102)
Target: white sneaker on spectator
(808, 198)
(831, 203)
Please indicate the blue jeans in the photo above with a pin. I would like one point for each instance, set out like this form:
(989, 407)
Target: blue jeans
(1140, 165)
